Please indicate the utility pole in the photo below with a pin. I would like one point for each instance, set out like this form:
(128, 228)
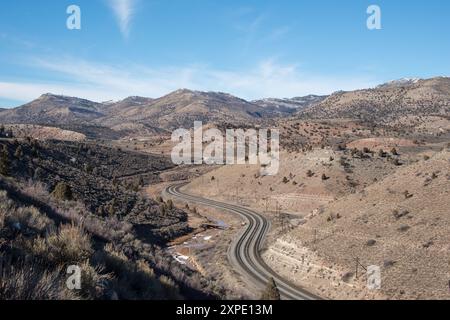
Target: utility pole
(358, 264)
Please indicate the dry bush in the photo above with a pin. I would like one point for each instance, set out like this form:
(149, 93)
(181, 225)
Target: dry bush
(30, 282)
(137, 280)
(94, 281)
(35, 189)
(6, 206)
(71, 245)
(30, 218)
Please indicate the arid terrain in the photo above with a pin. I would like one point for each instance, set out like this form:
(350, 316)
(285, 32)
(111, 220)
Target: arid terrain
(364, 180)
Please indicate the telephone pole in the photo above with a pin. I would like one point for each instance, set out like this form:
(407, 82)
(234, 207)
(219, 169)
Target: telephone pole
(358, 264)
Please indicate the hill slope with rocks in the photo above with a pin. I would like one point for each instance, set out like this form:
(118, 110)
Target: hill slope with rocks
(387, 102)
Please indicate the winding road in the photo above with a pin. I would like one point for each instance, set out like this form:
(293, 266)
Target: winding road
(244, 252)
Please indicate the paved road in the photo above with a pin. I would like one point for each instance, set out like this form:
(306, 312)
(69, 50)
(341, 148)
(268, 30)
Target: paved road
(244, 252)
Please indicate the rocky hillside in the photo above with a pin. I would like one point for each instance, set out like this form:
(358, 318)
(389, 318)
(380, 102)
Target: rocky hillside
(43, 132)
(52, 109)
(286, 107)
(403, 228)
(387, 102)
(181, 108)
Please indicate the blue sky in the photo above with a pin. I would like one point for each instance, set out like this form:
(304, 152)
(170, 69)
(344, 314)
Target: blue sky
(252, 49)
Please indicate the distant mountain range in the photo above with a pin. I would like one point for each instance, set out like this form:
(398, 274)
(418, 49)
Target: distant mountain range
(177, 109)
(182, 107)
(387, 102)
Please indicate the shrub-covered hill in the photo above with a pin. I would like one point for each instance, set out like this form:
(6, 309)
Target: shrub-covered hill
(105, 180)
(41, 236)
(64, 203)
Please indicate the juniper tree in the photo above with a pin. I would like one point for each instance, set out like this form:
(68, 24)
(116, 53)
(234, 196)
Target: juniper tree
(271, 292)
(63, 192)
(394, 152)
(4, 161)
(18, 153)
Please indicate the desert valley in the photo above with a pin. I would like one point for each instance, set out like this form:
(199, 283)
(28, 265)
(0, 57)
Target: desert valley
(364, 180)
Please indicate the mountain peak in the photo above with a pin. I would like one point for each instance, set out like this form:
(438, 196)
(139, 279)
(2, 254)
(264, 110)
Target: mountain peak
(400, 82)
(60, 98)
(137, 100)
(183, 91)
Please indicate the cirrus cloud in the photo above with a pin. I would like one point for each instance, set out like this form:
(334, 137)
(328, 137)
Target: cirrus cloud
(124, 11)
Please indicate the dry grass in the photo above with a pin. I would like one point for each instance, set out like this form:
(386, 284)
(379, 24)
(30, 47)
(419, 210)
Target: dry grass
(70, 245)
(30, 282)
(136, 280)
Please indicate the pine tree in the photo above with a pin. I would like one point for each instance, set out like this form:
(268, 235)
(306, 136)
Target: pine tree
(271, 292)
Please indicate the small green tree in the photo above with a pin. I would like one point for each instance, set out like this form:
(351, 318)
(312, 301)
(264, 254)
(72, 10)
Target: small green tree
(271, 292)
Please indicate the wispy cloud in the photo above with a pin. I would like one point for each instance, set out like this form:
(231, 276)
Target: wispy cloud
(101, 82)
(124, 11)
(257, 28)
(278, 33)
(248, 26)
